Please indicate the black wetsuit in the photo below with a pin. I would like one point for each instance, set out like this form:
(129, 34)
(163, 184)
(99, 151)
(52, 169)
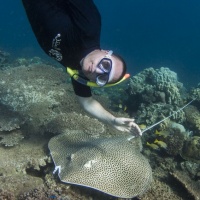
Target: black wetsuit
(67, 30)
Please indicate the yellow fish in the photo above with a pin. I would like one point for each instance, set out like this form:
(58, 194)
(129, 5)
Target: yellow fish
(120, 106)
(160, 143)
(142, 126)
(153, 146)
(162, 133)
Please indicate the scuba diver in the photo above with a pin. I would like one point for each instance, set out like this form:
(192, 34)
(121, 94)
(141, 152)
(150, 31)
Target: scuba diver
(69, 32)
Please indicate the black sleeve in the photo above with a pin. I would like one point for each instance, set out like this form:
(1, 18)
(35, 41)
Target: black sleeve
(80, 89)
(77, 21)
(87, 19)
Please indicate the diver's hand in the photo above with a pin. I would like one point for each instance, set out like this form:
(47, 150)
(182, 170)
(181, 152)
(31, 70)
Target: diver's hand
(127, 125)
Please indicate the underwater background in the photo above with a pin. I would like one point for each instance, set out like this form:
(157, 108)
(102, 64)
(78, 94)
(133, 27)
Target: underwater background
(147, 33)
(41, 119)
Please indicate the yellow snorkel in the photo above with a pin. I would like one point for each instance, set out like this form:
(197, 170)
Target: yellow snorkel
(75, 74)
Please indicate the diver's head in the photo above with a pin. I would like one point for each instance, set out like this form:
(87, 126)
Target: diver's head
(103, 67)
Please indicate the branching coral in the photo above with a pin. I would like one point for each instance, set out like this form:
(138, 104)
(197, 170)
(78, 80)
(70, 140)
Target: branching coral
(152, 113)
(3, 58)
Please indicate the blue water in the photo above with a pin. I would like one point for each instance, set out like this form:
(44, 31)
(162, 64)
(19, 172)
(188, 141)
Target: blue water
(148, 33)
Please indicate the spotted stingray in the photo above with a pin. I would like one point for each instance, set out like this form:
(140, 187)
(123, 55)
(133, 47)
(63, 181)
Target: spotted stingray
(112, 165)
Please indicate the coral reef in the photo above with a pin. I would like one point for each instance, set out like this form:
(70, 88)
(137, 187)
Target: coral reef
(192, 169)
(64, 122)
(10, 120)
(193, 187)
(195, 93)
(27, 62)
(155, 94)
(191, 149)
(156, 85)
(36, 102)
(4, 56)
(193, 118)
(160, 190)
(37, 86)
(10, 124)
(152, 113)
(38, 93)
(175, 143)
(6, 195)
(12, 138)
(20, 166)
(19, 183)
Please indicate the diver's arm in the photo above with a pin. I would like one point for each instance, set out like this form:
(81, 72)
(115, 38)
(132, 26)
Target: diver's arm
(95, 109)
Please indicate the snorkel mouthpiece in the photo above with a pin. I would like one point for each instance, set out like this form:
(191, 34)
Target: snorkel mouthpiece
(75, 74)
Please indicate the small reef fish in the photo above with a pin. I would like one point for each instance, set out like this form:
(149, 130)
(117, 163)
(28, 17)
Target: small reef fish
(123, 107)
(142, 126)
(162, 133)
(160, 143)
(120, 106)
(153, 146)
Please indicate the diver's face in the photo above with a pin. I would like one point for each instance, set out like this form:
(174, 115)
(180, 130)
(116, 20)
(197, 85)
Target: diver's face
(91, 69)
